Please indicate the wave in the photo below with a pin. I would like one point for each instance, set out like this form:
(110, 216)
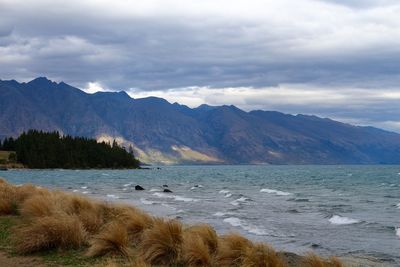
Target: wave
(222, 214)
(276, 192)
(398, 232)
(155, 190)
(146, 202)
(236, 222)
(339, 220)
(196, 186)
(127, 185)
(112, 196)
(239, 200)
(85, 192)
(224, 191)
(176, 198)
(83, 187)
(398, 205)
(299, 199)
(228, 195)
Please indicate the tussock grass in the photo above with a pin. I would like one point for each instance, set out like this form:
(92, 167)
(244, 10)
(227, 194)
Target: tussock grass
(55, 220)
(206, 233)
(49, 232)
(113, 239)
(195, 252)
(8, 199)
(312, 260)
(162, 244)
(260, 255)
(231, 250)
(39, 206)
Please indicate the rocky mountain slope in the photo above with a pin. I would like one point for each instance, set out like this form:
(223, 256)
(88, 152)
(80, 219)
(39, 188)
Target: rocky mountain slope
(171, 133)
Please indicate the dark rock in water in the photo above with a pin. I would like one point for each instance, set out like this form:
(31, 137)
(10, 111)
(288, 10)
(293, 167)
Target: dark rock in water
(158, 168)
(313, 245)
(167, 191)
(138, 187)
(165, 185)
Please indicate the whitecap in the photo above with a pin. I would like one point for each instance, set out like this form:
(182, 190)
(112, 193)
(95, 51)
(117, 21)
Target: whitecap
(228, 195)
(84, 187)
(222, 214)
(185, 199)
(398, 205)
(276, 192)
(196, 186)
(339, 220)
(224, 191)
(238, 201)
(155, 190)
(398, 232)
(146, 202)
(233, 221)
(112, 196)
(105, 174)
(126, 185)
(236, 222)
(75, 190)
(85, 192)
(176, 198)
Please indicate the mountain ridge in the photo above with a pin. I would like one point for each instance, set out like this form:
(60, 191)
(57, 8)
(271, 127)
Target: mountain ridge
(161, 132)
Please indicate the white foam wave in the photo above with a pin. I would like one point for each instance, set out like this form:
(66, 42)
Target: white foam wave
(176, 198)
(146, 202)
(398, 232)
(224, 191)
(112, 196)
(339, 220)
(75, 190)
(85, 192)
(276, 192)
(196, 186)
(222, 214)
(155, 190)
(84, 187)
(126, 185)
(398, 205)
(236, 222)
(238, 201)
(228, 195)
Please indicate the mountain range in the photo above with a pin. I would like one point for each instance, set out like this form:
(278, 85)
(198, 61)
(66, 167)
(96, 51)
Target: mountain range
(165, 133)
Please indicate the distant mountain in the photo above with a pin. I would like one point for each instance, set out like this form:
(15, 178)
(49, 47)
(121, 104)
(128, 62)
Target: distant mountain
(161, 132)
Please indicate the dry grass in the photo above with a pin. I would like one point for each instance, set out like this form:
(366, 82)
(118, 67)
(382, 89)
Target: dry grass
(58, 220)
(39, 206)
(195, 252)
(8, 200)
(231, 250)
(112, 239)
(312, 260)
(50, 232)
(162, 244)
(207, 234)
(261, 255)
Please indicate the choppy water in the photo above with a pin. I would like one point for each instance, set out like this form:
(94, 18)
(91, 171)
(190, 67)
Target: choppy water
(337, 210)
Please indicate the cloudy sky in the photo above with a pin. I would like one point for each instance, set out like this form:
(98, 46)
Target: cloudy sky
(333, 58)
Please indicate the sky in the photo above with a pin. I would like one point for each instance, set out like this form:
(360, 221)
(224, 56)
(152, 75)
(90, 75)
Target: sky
(332, 58)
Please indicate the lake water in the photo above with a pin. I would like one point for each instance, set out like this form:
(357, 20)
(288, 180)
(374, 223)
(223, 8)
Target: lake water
(332, 210)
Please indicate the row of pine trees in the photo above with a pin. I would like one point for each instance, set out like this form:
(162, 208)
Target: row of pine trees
(42, 150)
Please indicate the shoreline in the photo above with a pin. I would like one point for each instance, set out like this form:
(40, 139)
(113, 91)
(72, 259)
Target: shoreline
(291, 259)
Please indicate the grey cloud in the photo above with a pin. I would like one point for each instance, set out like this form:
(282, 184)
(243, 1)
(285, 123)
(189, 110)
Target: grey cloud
(158, 51)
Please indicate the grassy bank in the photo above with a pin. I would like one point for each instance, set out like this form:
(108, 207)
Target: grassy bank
(66, 229)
